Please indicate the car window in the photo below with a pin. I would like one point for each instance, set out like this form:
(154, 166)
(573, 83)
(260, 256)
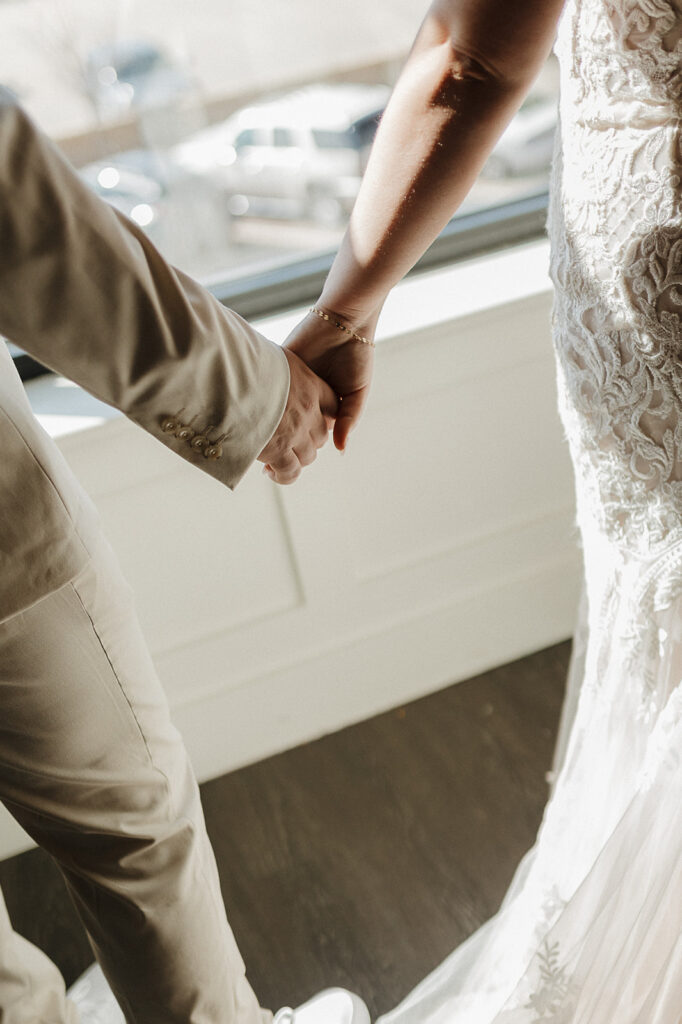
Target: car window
(135, 65)
(252, 137)
(325, 139)
(284, 137)
(360, 134)
(365, 128)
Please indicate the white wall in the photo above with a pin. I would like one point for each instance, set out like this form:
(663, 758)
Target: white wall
(440, 545)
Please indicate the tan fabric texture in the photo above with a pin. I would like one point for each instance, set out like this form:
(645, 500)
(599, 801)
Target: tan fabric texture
(84, 291)
(94, 770)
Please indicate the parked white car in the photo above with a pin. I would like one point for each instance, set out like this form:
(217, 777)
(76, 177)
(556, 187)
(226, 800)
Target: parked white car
(299, 155)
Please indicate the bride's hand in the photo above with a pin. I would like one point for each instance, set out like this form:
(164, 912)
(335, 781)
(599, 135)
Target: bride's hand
(344, 362)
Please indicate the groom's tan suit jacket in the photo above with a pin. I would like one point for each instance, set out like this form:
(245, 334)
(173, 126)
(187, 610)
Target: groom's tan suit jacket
(85, 292)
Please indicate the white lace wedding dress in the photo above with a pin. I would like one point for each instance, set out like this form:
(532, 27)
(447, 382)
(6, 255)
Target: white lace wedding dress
(590, 931)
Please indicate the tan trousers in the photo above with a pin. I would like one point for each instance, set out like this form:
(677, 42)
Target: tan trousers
(93, 769)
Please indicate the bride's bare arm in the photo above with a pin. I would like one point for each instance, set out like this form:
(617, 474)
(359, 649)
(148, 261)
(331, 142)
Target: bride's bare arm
(470, 67)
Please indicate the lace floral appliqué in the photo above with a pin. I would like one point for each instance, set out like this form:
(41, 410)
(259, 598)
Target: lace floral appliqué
(553, 1000)
(616, 229)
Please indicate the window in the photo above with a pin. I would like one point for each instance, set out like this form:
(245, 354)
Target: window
(283, 137)
(251, 137)
(236, 135)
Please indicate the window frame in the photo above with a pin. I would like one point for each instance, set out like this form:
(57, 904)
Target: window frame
(288, 284)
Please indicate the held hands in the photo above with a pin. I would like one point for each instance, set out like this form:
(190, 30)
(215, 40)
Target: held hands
(307, 419)
(340, 358)
(330, 372)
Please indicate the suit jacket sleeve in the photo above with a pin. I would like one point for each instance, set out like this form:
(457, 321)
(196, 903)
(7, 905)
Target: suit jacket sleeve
(84, 291)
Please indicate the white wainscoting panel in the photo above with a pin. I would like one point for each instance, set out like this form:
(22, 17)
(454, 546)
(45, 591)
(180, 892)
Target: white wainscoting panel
(441, 544)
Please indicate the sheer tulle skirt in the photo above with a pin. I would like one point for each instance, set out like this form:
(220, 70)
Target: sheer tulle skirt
(590, 929)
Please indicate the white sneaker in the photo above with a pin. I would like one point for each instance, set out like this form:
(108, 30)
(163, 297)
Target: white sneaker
(97, 1005)
(332, 1006)
(94, 998)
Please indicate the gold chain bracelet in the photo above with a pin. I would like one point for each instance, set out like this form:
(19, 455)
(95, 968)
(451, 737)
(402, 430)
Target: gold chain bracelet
(341, 327)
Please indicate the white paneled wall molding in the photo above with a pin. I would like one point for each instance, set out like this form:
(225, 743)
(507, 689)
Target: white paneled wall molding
(441, 544)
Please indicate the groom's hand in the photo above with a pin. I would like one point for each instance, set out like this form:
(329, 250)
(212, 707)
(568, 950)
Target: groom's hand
(307, 419)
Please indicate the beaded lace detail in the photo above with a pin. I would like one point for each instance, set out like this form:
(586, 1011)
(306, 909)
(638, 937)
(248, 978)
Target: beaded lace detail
(616, 230)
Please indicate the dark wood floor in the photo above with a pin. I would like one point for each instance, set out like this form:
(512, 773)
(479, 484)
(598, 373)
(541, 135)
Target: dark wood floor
(364, 858)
